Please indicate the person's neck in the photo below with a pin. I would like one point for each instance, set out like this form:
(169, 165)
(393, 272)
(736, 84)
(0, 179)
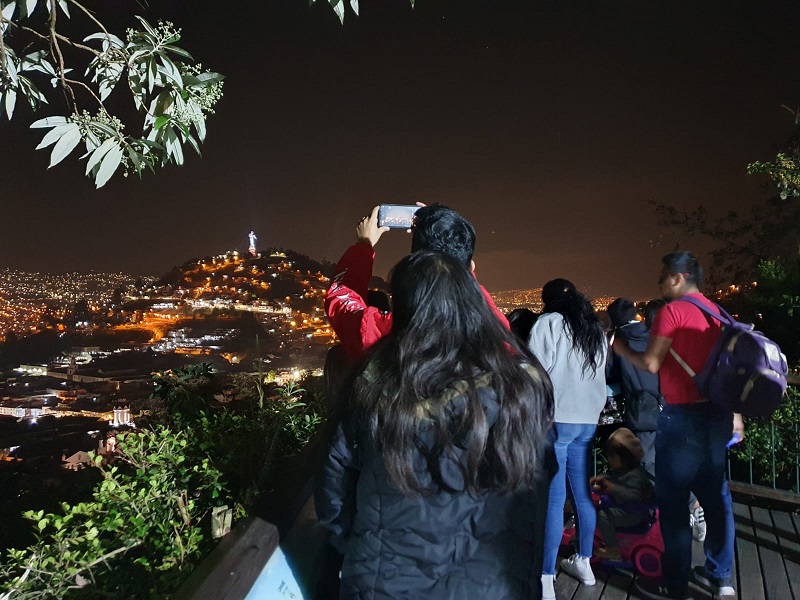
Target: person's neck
(690, 289)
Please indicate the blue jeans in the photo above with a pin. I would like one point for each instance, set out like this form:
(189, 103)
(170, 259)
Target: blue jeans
(690, 455)
(571, 442)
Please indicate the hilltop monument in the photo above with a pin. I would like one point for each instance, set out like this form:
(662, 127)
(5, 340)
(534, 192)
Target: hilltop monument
(253, 239)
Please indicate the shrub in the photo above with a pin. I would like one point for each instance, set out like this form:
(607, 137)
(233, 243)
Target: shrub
(772, 443)
(146, 527)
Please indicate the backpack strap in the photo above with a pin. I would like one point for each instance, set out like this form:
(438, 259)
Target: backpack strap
(723, 317)
(682, 363)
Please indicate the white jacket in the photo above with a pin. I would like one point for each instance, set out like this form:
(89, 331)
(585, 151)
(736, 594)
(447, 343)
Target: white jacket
(579, 397)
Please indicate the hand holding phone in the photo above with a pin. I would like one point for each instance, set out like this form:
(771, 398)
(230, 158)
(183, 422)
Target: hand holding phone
(396, 216)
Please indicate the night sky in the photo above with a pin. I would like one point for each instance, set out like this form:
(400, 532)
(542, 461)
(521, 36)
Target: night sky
(548, 124)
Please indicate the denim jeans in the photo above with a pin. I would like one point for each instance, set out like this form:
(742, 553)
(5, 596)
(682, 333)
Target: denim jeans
(571, 442)
(690, 455)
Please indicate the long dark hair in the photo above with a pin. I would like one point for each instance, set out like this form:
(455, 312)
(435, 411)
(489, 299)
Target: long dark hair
(562, 297)
(444, 338)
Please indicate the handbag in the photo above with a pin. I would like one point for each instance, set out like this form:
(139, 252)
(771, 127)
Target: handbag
(641, 410)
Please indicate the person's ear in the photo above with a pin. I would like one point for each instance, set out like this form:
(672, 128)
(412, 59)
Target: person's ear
(471, 266)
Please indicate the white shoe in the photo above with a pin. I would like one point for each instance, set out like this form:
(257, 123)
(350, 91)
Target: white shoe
(579, 568)
(548, 587)
(697, 520)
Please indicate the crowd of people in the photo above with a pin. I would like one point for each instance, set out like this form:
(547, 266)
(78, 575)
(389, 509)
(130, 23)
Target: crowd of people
(458, 433)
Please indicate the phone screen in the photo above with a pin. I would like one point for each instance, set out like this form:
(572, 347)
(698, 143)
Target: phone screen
(396, 216)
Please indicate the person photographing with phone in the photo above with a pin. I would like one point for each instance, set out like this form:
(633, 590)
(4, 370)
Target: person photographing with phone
(435, 228)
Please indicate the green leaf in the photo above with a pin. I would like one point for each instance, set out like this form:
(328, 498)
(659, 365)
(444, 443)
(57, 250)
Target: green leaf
(49, 122)
(161, 120)
(135, 159)
(200, 126)
(114, 40)
(170, 71)
(54, 135)
(152, 73)
(42, 524)
(109, 166)
(10, 97)
(65, 145)
(210, 77)
(30, 6)
(193, 143)
(11, 68)
(64, 7)
(147, 26)
(354, 6)
(338, 8)
(8, 11)
(179, 51)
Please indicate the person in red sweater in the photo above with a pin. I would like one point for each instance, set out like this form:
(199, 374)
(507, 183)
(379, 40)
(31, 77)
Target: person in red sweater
(359, 326)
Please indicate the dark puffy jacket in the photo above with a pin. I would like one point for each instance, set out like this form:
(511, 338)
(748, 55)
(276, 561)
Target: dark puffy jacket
(619, 370)
(445, 545)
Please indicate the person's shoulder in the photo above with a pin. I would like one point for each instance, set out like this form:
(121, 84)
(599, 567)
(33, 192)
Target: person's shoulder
(633, 330)
(549, 323)
(682, 308)
(549, 320)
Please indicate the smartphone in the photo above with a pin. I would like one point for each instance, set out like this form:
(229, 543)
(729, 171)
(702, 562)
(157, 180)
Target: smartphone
(396, 216)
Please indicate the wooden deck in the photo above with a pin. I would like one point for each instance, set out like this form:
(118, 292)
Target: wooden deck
(767, 563)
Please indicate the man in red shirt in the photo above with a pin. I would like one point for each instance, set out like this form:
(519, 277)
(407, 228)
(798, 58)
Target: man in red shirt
(691, 437)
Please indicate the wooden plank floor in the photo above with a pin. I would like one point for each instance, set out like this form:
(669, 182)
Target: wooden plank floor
(767, 565)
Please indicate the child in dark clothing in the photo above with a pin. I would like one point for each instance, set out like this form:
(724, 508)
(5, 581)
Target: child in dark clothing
(626, 484)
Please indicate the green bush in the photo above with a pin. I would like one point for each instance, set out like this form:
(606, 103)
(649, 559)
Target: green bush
(146, 527)
(149, 522)
(772, 442)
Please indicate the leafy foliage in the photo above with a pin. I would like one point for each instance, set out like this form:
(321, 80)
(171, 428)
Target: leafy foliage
(339, 7)
(149, 521)
(147, 525)
(785, 169)
(771, 230)
(774, 442)
(773, 305)
(173, 94)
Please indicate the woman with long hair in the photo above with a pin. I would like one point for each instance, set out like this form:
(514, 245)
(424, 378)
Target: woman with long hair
(569, 341)
(431, 476)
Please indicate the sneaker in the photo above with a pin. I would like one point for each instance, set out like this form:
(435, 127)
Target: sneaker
(579, 568)
(548, 587)
(720, 589)
(697, 519)
(607, 552)
(655, 590)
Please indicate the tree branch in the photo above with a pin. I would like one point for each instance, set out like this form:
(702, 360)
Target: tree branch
(3, 55)
(89, 14)
(87, 88)
(56, 50)
(58, 35)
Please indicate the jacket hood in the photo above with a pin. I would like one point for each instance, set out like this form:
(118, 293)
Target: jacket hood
(635, 332)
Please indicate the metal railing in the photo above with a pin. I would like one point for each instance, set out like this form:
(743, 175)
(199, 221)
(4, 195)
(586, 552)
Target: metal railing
(769, 456)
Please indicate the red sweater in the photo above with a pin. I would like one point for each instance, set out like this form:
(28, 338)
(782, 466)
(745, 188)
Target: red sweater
(357, 325)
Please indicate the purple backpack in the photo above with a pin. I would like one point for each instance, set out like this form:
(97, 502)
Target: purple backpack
(745, 372)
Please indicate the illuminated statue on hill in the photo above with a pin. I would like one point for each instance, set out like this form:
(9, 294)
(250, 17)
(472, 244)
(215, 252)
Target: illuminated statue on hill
(253, 239)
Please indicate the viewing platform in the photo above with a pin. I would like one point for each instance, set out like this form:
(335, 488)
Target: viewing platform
(767, 564)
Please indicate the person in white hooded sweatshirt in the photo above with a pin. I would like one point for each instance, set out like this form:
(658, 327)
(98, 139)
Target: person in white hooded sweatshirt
(569, 341)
